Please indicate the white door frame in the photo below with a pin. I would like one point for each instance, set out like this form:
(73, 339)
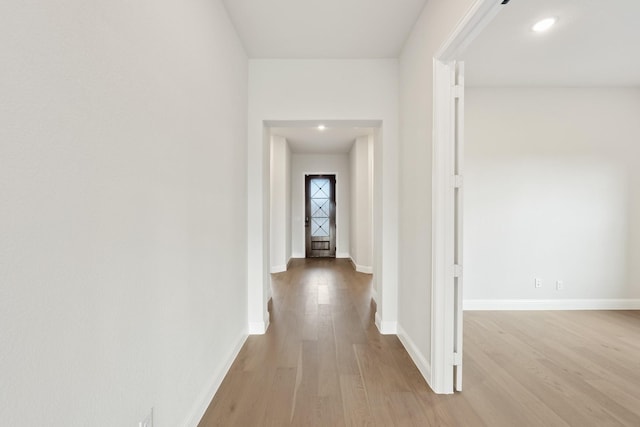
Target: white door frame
(384, 227)
(443, 187)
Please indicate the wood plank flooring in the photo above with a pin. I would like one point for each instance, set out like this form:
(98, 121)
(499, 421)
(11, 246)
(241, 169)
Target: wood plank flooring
(323, 363)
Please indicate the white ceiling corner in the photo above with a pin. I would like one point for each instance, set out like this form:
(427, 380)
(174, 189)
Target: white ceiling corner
(321, 29)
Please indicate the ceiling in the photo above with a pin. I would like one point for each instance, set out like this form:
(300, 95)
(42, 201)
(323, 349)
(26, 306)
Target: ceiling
(321, 29)
(594, 43)
(338, 137)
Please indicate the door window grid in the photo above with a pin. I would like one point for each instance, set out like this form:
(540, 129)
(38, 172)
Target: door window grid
(320, 195)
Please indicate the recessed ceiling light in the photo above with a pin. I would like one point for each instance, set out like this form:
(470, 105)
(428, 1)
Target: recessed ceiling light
(544, 25)
(321, 127)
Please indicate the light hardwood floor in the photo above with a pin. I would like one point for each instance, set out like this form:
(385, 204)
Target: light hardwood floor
(323, 363)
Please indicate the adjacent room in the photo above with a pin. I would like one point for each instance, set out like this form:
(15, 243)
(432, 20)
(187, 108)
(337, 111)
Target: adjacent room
(552, 206)
(552, 214)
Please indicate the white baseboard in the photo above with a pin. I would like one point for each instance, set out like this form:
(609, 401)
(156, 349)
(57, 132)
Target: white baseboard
(258, 328)
(207, 396)
(342, 255)
(416, 355)
(298, 255)
(374, 295)
(281, 268)
(364, 269)
(551, 304)
(361, 268)
(386, 327)
(278, 269)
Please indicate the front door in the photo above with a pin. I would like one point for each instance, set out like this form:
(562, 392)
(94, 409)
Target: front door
(320, 215)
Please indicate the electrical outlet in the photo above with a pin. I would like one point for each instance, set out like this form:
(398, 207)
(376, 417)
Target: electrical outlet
(559, 285)
(148, 420)
(538, 283)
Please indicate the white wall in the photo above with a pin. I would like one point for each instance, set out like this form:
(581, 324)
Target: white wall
(552, 192)
(287, 219)
(361, 203)
(280, 204)
(324, 90)
(122, 212)
(437, 21)
(330, 164)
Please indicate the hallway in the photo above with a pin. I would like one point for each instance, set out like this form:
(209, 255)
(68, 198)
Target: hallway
(323, 363)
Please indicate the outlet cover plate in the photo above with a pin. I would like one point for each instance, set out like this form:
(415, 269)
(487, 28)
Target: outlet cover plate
(148, 420)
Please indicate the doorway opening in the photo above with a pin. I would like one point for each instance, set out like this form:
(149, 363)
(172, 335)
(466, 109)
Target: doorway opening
(546, 177)
(295, 148)
(320, 216)
(323, 192)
